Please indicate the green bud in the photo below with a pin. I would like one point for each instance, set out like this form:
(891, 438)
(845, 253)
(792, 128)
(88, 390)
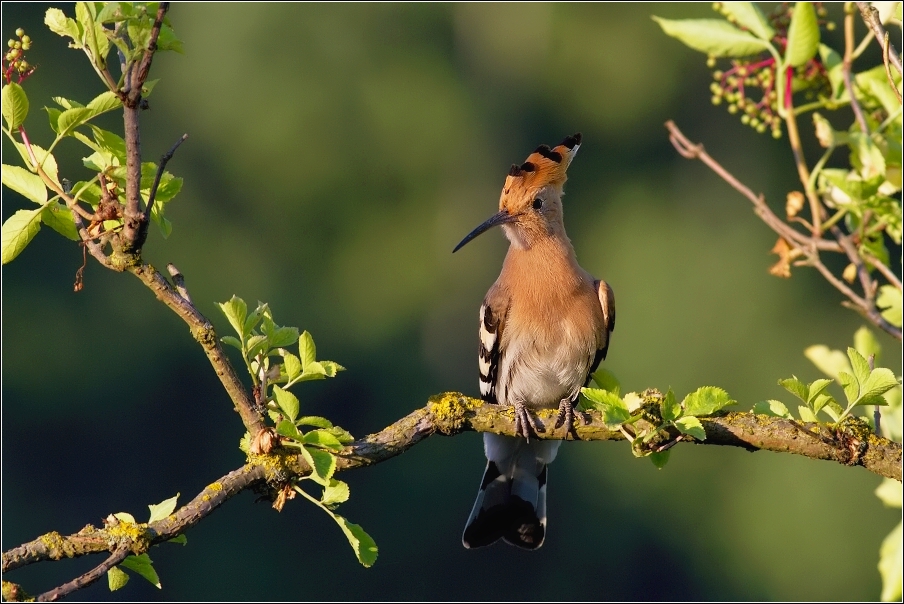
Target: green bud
(26, 39)
(715, 88)
(10, 43)
(732, 108)
(745, 119)
(830, 26)
(20, 32)
(776, 134)
(22, 66)
(717, 100)
(26, 45)
(761, 128)
(711, 62)
(15, 52)
(717, 74)
(754, 122)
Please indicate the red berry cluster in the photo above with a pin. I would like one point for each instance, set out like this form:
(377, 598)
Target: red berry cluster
(14, 62)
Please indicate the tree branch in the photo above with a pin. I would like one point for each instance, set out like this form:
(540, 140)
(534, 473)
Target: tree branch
(809, 246)
(852, 443)
(202, 330)
(871, 18)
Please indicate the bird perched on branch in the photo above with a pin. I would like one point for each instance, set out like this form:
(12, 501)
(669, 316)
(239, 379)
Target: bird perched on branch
(544, 328)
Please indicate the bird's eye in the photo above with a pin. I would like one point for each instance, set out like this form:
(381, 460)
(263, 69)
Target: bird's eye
(538, 203)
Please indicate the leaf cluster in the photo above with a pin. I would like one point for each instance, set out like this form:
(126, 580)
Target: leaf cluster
(98, 29)
(660, 413)
(259, 340)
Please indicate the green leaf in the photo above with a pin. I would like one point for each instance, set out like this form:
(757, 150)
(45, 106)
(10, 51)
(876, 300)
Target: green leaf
(749, 15)
(606, 380)
(110, 142)
(889, 491)
(613, 409)
(880, 381)
(18, 231)
(62, 25)
(361, 542)
(254, 317)
(163, 509)
(795, 387)
(874, 83)
(859, 364)
(287, 401)
(116, 578)
(143, 566)
(322, 438)
(820, 401)
(832, 408)
(773, 408)
(830, 362)
(235, 310)
(660, 458)
(803, 35)
(282, 336)
(889, 300)
(715, 37)
(255, 345)
(167, 40)
(330, 369)
(66, 103)
(891, 561)
(806, 414)
(125, 517)
(692, 426)
(313, 420)
(706, 400)
(180, 539)
(850, 386)
(71, 119)
(28, 185)
(104, 102)
(342, 435)
(292, 364)
(288, 429)
(816, 388)
(232, 341)
(15, 105)
(669, 408)
(335, 493)
(834, 67)
(306, 349)
(113, 12)
(58, 217)
(322, 462)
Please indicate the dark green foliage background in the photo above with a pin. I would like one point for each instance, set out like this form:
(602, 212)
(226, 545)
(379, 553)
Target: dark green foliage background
(336, 155)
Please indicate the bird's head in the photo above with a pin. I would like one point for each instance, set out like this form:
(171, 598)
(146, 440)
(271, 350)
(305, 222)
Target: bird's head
(530, 207)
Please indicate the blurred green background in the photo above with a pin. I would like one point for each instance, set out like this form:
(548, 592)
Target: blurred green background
(337, 153)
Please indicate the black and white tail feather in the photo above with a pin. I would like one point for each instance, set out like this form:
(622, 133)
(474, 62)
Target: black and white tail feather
(511, 502)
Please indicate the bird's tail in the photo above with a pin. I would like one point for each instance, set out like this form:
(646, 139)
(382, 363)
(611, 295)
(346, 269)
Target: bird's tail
(511, 502)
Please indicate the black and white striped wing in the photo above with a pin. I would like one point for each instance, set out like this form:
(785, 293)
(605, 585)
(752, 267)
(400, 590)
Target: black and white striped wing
(491, 323)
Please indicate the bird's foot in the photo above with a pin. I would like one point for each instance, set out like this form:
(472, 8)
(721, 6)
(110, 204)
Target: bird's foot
(525, 423)
(567, 416)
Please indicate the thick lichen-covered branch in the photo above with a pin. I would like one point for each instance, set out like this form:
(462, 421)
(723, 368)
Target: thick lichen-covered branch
(448, 414)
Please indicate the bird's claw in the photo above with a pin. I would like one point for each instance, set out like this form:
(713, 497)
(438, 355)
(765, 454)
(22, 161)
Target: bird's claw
(567, 415)
(525, 423)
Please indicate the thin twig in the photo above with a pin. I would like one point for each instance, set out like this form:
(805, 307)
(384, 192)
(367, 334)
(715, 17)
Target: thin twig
(891, 80)
(882, 268)
(871, 18)
(692, 151)
(88, 578)
(204, 333)
(160, 169)
(846, 67)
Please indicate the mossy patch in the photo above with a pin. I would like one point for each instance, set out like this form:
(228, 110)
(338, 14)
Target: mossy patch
(450, 409)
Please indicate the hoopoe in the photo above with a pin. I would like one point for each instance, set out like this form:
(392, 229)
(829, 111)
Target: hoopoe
(544, 328)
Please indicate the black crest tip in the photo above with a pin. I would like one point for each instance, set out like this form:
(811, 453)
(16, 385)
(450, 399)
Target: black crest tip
(528, 167)
(572, 141)
(515, 170)
(549, 154)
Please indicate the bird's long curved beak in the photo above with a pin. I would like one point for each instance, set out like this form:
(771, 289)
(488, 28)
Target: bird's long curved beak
(500, 217)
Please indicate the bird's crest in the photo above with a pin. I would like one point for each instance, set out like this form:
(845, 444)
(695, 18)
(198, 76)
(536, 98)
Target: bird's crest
(544, 166)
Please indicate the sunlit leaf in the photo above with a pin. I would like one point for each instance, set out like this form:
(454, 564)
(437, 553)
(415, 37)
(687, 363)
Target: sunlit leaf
(803, 35)
(749, 15)
(692, 426)
(773, 408)
(287, 401)
(15, 105)
(713, 36)
(235, 310)
(670, 409)
(361, 542)
(706, 400)
(143, 565)
(116, 578)
(335, 493)
(25, 183)
(18, 231)
(163, 509)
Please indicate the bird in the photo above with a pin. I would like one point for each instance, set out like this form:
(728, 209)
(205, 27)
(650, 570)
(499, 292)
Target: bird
(545, 325)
